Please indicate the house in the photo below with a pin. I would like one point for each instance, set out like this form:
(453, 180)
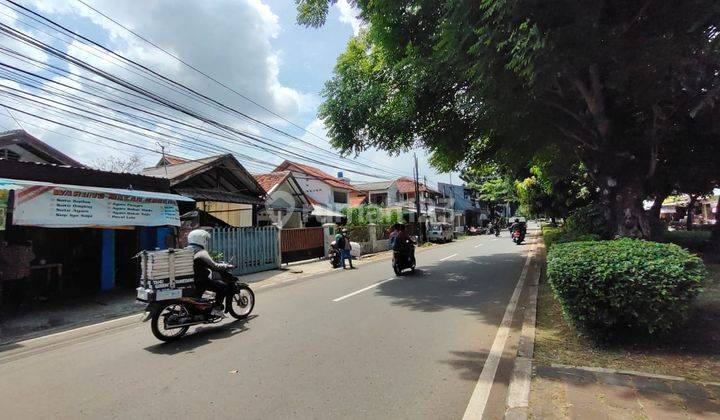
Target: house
(219, 184)
(467, 210)
(20, 145)
(674, 209)
(285, 204)
(400, 194)
(327, 194)
(170, 160)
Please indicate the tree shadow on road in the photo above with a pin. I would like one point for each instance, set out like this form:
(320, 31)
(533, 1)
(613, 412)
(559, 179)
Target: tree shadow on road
(479, 285)
(201, 336)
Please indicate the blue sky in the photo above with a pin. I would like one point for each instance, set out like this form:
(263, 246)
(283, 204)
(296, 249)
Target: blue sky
(255, 46)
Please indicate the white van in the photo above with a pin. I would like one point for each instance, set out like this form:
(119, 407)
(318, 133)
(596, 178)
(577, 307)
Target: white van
(440, 232)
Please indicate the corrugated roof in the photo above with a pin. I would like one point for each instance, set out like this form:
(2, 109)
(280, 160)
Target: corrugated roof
(179, 169)
(374, 186)
(315, 173)
(38, 147)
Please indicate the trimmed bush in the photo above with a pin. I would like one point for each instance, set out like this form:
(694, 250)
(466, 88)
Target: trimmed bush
(550, 234)
(555, 235)
(625, 286)
(587, 220)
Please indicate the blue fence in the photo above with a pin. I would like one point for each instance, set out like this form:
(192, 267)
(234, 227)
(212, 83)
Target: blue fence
(250, 249)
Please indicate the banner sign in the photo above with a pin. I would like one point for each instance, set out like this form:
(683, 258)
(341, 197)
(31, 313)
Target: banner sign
(53, 206)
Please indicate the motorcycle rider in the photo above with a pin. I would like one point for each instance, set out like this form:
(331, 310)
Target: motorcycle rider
(518, 225)
(203, 263)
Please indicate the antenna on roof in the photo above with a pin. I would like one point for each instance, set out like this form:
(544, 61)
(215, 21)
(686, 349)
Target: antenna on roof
(164, 161)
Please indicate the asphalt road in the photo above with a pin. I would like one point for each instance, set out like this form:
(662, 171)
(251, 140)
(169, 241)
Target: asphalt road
(411, 347)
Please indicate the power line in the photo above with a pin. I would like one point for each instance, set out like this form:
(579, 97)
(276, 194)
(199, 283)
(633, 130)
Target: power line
(185, 90)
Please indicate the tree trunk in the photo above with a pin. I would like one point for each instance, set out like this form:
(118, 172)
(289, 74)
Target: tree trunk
(625, 214)
(689, 215)
(657, 227)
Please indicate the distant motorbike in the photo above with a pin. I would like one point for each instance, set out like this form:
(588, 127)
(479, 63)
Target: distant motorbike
(404, 258)
(517, 236)
(171, 318)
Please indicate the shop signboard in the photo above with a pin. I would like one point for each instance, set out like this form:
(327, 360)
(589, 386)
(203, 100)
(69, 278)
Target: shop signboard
(61, 206)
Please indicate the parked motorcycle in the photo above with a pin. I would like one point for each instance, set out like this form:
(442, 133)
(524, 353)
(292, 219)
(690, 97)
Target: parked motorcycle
(404, 258)
(171, 318)
(334, 255)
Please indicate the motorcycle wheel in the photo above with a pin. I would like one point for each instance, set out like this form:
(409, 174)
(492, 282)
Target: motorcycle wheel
(396, 269)
(158, 323)
(241, 302)
(412, 267)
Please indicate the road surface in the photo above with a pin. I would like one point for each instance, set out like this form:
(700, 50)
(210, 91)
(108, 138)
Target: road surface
(349, 344)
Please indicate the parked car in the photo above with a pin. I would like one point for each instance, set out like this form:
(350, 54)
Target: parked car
(440, 232)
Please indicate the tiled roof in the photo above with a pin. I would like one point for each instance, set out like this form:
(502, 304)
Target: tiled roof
(180, 169)
(356, 199)
(315, 173)
(269, 181)
(171, 160)
(407, 186)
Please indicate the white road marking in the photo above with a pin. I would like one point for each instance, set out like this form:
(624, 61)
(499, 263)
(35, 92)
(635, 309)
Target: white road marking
(448, 257)
(479, 245)
(363, 289)
(263, 286)
(480, 394)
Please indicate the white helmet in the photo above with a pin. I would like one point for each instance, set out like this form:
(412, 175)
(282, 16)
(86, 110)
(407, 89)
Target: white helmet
(199, 237)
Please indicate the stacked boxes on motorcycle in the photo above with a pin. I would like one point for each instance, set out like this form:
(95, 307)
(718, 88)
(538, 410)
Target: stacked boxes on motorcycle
(165, 273)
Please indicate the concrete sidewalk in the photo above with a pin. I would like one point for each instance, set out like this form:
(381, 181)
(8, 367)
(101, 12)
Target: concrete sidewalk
(582, 393)
(43, 318)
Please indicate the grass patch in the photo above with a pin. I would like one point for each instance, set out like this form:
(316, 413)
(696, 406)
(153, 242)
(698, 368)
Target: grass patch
(693, 352)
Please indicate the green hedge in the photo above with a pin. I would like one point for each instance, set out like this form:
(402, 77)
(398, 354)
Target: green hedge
(612, 288)
(552, 235)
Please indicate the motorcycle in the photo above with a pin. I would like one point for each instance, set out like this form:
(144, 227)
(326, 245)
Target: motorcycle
(517, 236)
(334, 255)
(404, 259)
(171, 318)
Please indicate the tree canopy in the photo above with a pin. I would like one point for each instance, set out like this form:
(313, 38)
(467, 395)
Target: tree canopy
(617, 85)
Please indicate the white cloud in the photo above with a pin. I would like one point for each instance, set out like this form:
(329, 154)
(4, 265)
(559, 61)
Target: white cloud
(349, 15)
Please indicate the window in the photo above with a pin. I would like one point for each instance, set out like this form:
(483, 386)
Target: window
(340, 197)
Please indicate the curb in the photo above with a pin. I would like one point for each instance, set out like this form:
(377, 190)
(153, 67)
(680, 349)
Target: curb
(633, 373)
(518, 400)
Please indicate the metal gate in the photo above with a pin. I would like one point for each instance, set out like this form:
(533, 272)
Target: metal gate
(302, 244)
(249, 249)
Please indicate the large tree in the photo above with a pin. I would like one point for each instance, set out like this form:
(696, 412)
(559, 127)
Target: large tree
(616, 84)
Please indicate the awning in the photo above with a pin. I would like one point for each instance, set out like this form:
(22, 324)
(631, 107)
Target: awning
(18, 184)
(46, 204)
(322, 211)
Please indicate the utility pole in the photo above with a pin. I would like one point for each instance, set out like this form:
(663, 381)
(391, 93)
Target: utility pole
(423, 233)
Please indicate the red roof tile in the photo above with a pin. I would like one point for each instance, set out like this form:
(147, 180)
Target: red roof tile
(407, 186)
(268, 181)
(315, 173)
(356, 199)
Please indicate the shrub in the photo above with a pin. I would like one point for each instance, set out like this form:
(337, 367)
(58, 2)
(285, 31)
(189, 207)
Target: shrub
(555, 235)
(611, 288)
(587, 220)
(550, 234)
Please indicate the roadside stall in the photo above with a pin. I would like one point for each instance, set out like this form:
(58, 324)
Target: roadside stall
(78, 239)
